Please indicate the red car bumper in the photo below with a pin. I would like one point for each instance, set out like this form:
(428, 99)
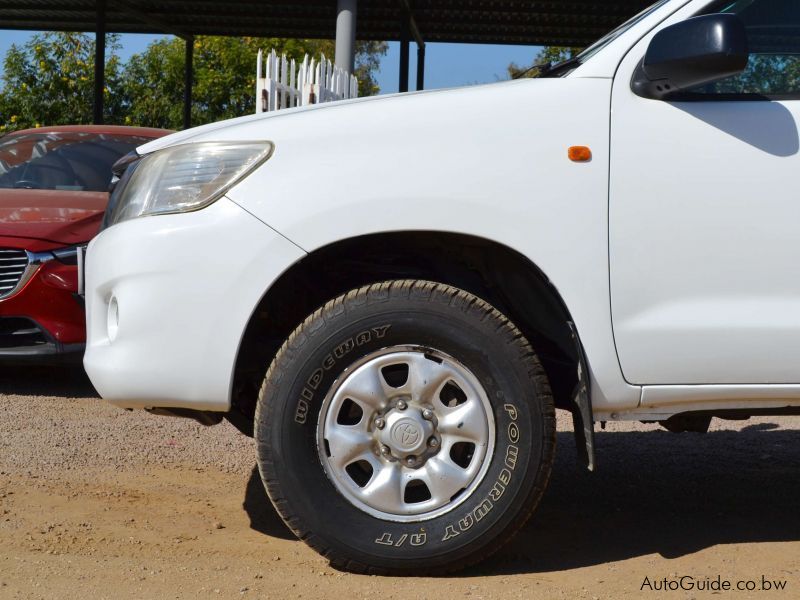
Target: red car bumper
(45, 319)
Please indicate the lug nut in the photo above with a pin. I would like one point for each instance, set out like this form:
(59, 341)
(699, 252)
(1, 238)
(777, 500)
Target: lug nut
(402, 405)
(380, 423)
(427, 414)
(385, 450)
(411, 461)
(433, 442)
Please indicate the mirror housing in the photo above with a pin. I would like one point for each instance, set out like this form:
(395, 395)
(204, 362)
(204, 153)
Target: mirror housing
(694, 52)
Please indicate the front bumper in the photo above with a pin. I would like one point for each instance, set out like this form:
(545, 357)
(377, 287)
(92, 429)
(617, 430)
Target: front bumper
(168, 299)
(45, 320)
(23, 340)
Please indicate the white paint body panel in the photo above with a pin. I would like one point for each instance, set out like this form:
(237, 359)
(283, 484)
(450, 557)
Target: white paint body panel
(185, 286)
(660, 402)
(438, 161)
(705, 280)
(487, 161)
(702, 281)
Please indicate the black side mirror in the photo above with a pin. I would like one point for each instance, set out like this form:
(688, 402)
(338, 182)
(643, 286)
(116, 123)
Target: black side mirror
(694, 52)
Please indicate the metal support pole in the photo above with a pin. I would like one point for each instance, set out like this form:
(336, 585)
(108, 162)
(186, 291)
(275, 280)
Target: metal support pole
(188, 80)
(404, 54)
(420, 67)
(99, 62)
(347, 11)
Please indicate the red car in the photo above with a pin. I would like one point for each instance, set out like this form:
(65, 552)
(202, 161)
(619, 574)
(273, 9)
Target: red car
(54, 185)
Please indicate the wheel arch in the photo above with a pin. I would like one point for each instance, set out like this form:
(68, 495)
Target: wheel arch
(490, 270)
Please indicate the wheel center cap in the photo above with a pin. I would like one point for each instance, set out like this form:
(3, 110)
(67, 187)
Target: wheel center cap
(406, 434)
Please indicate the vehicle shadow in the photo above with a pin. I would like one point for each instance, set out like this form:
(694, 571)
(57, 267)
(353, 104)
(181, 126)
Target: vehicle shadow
(263, 517)
(664, 493)
(654, 492)
(767, 126)
(65, 381)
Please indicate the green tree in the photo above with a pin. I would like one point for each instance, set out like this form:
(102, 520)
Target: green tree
(49, 80)
(765, 74)
(368, 63)
(548, 54)
(224, 76)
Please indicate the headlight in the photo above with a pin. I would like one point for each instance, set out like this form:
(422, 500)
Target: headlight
(185, 177)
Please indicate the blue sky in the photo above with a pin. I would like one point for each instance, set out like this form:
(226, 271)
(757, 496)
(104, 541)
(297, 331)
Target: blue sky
(446, 65)
(454, 65)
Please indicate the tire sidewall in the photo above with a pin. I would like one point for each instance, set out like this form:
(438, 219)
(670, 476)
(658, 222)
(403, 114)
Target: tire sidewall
(288, 437)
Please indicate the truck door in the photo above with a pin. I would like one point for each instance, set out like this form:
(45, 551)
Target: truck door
(705, 215)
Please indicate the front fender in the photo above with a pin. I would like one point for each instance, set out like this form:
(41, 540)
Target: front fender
(489, 162)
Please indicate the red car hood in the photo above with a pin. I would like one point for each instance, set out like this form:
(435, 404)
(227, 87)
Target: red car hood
(55, 216)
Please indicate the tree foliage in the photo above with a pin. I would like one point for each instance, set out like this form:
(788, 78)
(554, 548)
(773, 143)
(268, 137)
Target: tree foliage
(224, 76)
(548, 54)
(765, 74)
(49, 79)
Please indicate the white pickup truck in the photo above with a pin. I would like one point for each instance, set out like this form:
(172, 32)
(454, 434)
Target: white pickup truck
(394, 294)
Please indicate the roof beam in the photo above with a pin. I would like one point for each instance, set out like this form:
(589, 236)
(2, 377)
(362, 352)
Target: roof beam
(412, 24)
(534, 22)
(123, 6)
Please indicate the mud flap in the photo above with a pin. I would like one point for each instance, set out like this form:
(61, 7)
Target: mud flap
(582, 417)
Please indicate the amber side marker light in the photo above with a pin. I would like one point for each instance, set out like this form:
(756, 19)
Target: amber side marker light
(579, 153)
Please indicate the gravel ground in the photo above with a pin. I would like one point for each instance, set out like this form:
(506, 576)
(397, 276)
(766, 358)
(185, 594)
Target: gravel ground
(96, 502)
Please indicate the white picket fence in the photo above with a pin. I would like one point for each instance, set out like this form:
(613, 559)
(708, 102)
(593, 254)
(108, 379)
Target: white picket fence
(282, 83)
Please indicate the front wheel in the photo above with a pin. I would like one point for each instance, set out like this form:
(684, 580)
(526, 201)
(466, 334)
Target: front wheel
(405, 428)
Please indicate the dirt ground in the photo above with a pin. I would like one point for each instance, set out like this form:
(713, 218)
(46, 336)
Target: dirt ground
(96, 502)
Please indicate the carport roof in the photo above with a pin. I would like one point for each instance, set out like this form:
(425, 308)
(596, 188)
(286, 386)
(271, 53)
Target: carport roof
(553, 22)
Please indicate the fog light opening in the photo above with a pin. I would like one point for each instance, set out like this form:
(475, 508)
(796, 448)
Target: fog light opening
(112, 325)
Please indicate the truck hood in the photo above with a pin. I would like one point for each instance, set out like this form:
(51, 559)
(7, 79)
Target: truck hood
(217, 131)
(54, 216)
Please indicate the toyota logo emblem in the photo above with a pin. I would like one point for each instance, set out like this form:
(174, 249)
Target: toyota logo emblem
(406, 434)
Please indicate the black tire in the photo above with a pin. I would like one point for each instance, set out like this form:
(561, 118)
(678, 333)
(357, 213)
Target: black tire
(429, 315)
